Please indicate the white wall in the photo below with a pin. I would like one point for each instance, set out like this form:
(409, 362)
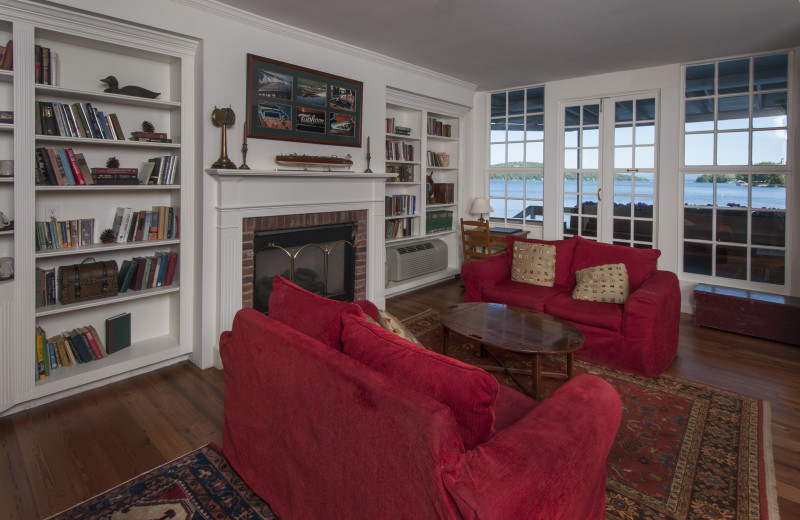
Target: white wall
(227, 36)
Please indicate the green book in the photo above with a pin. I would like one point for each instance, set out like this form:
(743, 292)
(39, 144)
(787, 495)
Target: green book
(118, 332)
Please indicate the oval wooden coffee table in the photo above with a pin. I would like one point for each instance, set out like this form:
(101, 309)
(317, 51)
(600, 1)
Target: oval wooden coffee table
(516, 330)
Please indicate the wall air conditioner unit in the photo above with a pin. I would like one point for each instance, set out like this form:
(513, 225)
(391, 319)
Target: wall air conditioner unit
(410, 260)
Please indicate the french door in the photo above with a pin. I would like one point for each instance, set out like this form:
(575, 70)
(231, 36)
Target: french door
(609, 169)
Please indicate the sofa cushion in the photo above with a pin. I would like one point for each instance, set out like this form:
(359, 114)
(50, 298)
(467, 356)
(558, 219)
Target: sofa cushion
(579, 312)
(564, 253)
(640, 263)
(533, 263)
(395, 326)
(468, 391)
(520, 294)
(602, 283)
(511, 407)
(309, 313)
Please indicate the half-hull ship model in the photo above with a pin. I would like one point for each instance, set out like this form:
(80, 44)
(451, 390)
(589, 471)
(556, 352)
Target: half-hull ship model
(304, 161)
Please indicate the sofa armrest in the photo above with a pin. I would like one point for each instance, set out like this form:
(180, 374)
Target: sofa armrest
(651, 321)
(551, 464)
(483, 272)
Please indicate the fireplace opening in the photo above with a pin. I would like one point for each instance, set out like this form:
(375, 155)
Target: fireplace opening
(320, 259)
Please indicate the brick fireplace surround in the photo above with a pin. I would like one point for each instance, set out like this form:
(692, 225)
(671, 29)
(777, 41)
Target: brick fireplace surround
(252, 225)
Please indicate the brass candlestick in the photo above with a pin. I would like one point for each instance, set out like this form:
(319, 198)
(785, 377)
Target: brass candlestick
(223, 117)
(369, 156)
(244, 158)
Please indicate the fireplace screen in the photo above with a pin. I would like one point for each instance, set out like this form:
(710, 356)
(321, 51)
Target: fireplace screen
(319, 259)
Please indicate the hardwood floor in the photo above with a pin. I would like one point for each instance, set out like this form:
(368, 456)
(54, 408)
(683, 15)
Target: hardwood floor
(59, 454)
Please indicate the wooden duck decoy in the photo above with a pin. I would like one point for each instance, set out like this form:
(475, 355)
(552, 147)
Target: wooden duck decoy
(130, 90)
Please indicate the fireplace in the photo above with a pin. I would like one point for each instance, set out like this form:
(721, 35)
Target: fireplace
(320, 259)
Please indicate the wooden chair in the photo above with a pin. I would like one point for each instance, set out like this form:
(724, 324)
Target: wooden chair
(476, 239)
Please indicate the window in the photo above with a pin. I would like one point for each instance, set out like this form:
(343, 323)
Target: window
(735, 168)
(516, 155)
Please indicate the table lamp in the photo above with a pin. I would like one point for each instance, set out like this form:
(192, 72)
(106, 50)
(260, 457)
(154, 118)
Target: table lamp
(480, 205)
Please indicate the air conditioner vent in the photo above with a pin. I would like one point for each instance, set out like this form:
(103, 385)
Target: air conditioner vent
(410, 260)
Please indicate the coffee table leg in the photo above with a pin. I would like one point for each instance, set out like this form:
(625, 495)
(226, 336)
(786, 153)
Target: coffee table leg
(536, 375)
(445, 340)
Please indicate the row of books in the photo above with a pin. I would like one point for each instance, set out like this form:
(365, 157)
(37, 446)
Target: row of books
(436, 221)
(45, 287)
(157, 170)
(399, 227)
(145, 272)
(61, 167)
(57, 234)
(45, 66)
(76, 120)
(399, 151)
(150, 137)
(7, 56)
(159, 223)
(164, 170)
(73, 347)
(403, 172)
(439, 128)
(401, 205)
(438, 158)
(393, 128)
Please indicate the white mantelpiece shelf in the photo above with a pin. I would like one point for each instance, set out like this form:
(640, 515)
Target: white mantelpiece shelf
(344, 174)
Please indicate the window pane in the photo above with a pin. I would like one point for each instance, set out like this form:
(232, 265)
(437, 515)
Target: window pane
(591, 136)
(591, 114)
(769, 228)
(516, 128)
(700, 80)
(498, 130)
(623, 157)
(767, 265)
(622, 207)
(698, 149)
(643, 230)
(623, 135)
(514, 208)
(534, 211)
(571, 138)
(732, 226)
(589, 226)
(623, 111)
(732, 262)
(498, 104)
(589, 204)
(768, 191)
(514, 186)
(644, 183)
(645, 109)
(570, 225)
(698, 190)
(591, 158)
(534, 186)
(497, 186)
(769, 110)
(623, 183)
(570, 183)
(536, 99)
(733, 148)
(732, 191)
(498, 208)
(697, 223)
(516, 102)
(734, 76)
(589, 182)
(645, 157)
(516, 155)
(699, 115)
(497, 156)
(571, 158)
(534, 155)
(622, 229)
(769, 147)
(771, 72)
(572, 116)
(570, 203)
(643, 207)
(734, 113)
(645, 133)
(697, 258)
(535, 127)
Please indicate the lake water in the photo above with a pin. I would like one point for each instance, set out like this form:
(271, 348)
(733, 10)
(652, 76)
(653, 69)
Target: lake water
(695, 193)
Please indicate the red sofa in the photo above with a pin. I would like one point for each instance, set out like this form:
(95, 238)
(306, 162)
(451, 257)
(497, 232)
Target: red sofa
(640, 336)
(329, 416)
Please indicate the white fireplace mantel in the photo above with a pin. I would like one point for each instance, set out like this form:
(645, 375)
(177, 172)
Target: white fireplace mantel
(242, 194)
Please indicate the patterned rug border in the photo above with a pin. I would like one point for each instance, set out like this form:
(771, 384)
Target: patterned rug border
(766, 463)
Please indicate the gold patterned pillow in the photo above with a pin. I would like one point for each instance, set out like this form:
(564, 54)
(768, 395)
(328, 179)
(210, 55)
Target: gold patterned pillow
(392, 324)
(533, 263)
(602, 283)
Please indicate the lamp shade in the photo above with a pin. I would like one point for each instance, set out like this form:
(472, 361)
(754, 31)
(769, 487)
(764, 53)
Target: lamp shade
(480, 205)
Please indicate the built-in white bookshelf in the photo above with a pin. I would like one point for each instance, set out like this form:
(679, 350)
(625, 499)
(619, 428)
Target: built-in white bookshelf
(90, 48)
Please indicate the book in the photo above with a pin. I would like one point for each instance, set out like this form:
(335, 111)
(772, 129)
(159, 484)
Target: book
(89, 338)
(37, 68)
(173, 264)
(8, 57)
(129, 274)
(84, 167)
(123, 270)
(62, 157)
(97, 339)
(138, 276)
(78, 344)
(122, 233)
(45, 66)
(117, 127)
(73, 164)
(118, 332)
(40, 368)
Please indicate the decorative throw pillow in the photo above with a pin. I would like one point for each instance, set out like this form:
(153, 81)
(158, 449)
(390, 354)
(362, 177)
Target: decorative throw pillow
(393, 325)
(602, 283)
(533, 263)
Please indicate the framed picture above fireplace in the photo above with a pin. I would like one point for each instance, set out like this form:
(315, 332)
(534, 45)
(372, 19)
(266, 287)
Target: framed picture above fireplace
(295, 103)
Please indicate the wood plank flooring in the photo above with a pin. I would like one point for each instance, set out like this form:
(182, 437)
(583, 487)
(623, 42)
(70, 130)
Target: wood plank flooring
(61, 453)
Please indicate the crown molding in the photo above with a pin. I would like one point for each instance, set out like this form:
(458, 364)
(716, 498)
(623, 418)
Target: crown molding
(240, 16)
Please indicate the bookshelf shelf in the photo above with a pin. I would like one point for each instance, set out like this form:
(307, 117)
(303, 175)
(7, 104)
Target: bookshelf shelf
(122, 297)
(88, 48)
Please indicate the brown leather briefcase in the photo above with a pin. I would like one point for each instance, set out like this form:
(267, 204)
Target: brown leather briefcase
(88, 281)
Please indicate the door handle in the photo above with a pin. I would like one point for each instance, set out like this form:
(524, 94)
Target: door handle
(599, 194)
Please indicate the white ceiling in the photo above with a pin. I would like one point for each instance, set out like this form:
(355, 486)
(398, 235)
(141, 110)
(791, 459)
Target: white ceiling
(506, 43)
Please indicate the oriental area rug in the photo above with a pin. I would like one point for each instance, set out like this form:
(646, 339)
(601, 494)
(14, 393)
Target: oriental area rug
(684, 450)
